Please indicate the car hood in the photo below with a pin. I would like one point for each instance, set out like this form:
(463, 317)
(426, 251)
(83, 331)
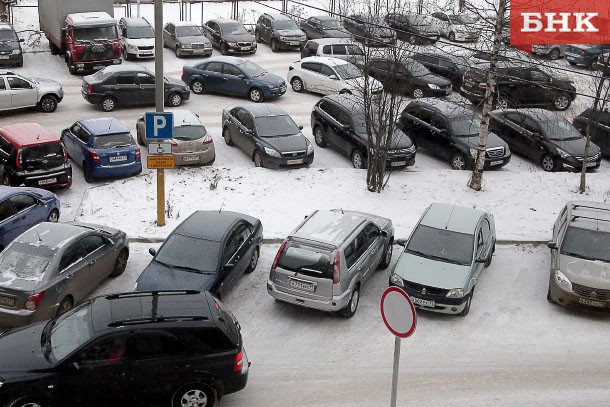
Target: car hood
(239, 37)
(21, 350)
(48, 85)
(193, 39)
(157, 276)
(590, 273)
(492, 141)
(284, 144)
(432, 273)
(270, 79)
(141, 42)
(337, 33)
(576, 147)
(290, 33)
(436, 80)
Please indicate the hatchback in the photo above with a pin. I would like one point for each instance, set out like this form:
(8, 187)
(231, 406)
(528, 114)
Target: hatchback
(137, 38)
(229, 36)
(444, 257)
(324, 27)
(186, 39)
(103, 147)
(280, 31)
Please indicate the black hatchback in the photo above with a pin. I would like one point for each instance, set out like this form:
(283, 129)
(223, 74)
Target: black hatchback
(599, 128)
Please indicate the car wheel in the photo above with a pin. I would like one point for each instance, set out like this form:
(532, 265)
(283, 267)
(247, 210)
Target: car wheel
(257, 36)
(53, 216)
(256, 95)
(71, 67)
(491, 255)
(274, 47)
(53, 47)
(28, 401)
(554, 54)
(198, 87)
(572, 63)
(253, 260)
(466, 309)
(223, 49)
(125, 54)
(548, 296)
(48, 104)
(549, 163)
(345, 92)
(258, 159)
(178, 52)
(451, 36)
(297, 84)
(120, 263)
(387, 256)
(194, 394)
(319, 136)
(139, 137)
(64, 306)
(502, 103)
(87, 173)
(175, 99)
(226, 134)
(458, 162)
(358, 160)
(561, 102)
(108, 104)
(418, 93)
(352, 305)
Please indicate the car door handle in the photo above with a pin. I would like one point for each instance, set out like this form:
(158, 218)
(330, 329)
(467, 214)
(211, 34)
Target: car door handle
(23, 217)
(92, 262)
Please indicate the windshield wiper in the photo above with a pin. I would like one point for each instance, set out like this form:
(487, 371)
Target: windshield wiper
(580, 256)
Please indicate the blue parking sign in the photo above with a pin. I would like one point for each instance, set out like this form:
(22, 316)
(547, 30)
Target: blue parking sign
(159, 126)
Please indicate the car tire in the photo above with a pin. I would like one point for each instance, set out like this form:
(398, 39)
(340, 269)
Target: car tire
(451, 36)
(71, 67)
(87, 173)
(108, 104)
(223, 49)
(548, 296)
(178, 52)
(358, 160)
(198, 87)
(120, 263)
(174, 100)
(561, 102)
(28, 401)
(491, 255)
(418, 93)
(297, 84)
(194, 394)
(125, 54)
(226, 134)
(258, 159)
(352, 306)
(53, 47)
(466, 309)
(139, 138)
(319, 136)
(256, 95)
(387, 255)
(458, 161)
(549, 163)
(53, 216)
(274, 47)
(502, 102)
(48, 104)
(253, 260)
(64, 306)
(554, 54)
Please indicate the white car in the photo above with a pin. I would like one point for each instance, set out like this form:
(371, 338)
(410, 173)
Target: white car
(137, 38)
(327, 76)
(456, 27)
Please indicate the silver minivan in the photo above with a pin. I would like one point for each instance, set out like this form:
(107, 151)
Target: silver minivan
(325, 261)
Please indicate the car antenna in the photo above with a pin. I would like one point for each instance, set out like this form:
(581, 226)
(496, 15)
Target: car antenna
(39, 238)
(221, 205)
(342, 213)
(110, 123)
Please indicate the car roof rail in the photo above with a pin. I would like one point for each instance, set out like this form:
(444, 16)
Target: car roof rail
(150, 293)
(145, 320)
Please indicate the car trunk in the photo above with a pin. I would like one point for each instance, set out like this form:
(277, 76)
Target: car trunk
(41, 156)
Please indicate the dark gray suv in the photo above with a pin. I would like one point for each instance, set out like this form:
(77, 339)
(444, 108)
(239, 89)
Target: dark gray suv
(280, 31)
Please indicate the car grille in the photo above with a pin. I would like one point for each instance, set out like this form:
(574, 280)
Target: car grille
(590, 159)
(594, 293)
(402, 152)
(496, 152)
(146, 48)
(293, 154)
(244, 44)
(199, 45)
(98, 50)
(426, 290)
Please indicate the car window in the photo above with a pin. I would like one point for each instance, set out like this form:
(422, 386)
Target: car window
(214, 67)
(485, 228)
(538, 76)
(23, 201)
(105, 351)
(327, 71)
(82, 135)
(6, 210)
(353, 49)
(306, 260)
(125, 79)
(514, 118)
(355, 249)
(330, 109)
(231, 70)
(154, 345)
(327, 50)
(145, 78)
(439, 122)
(518, 74)
(170, 28)
(188, 31)
(446, 64)
(117, 140)
(2, 84)
(204, 341)
(441, 244)
(18, 83)
(530, 125)
(310, 66)
(344, 118)
(371, 232)
(338, 49)
(92, 243)
(230, 247)
(587, 244)
(247, 121)
(479, 241)
(313, 47)
(422, 114)
(72, 254)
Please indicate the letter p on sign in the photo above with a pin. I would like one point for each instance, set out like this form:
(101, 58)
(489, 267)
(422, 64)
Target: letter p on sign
(159, 126)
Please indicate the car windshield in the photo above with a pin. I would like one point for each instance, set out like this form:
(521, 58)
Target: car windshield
(586, 244)
(95, 33)
(189, 253)
(6, 35)
(442, 245)
(348, 71)
(186, 133)
(285, 25)
(251, 69)
(275, 126)
(188, 31)
(307, 260)
(114, 141)
(330, 24)
(68, 333)
(416, 68)
(233, 29)
(24, 261)
(559, 129)
(140, 32)
(464, 126)
(462, 19)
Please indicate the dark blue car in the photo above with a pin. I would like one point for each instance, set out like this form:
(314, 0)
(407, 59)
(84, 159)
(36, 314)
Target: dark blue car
(233, 76)
(23, 207)
(103, 147)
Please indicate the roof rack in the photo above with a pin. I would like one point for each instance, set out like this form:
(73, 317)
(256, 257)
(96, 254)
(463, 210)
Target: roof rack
(136, 321)
(150, 293)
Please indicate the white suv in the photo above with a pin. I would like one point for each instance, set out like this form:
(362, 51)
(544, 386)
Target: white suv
(17, 91)
(137, 38)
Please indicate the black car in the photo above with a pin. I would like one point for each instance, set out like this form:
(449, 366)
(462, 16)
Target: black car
(280, 31)
(587, 55)
(339, 121)
(451, 132)
(152, 348)
(268, 135)
(369, 29)
(324, 27)
(545, 137)
(408, 77)
(207, 252)
(519, 86)
(413, 28)
(129, 85)
(445, 65)
(10, 46)
(600, 127)
(229, 36)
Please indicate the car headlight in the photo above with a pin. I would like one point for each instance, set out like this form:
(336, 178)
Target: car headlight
(309, 147)
(186, 88)
(1, 383)
(411, 149)
(562, 281)
(455, 293)
(473, 152)
(563, 154)
(132, 47)
(282, 38)
(432, 86)
(16, 52)
(187, 45)
(232, 43)
(303, 38)
(397, 280)
(272, 152)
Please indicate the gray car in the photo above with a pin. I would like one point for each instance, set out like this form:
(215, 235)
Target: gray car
(51, 267)
(324, 263)
(186, 39)
(280, 31)
(444, 257)
(18, 91)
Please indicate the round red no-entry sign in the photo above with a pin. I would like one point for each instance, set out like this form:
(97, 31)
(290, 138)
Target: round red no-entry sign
(398, 312)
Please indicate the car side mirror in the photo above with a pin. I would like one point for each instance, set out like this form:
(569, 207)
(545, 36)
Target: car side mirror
(21, 39)
(383, 233)
(333, 77)
(300, 127)
(552, 245)
(402, 242)
(228, 267)
(152, 251)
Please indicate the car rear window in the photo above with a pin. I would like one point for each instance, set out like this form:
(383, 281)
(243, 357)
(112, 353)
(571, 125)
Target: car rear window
(189, 132)
(42, 156)
(307, 260)
(114, 141)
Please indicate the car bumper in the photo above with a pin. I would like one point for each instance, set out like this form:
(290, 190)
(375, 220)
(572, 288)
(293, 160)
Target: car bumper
(195, 158)
(81, 66)
(241, 50)
(287, 44)
(491, 163)
(433, 303)
(400, 161)
(573, 300)
(144, 54)
(16, 318)
(122, 170)
(57, 177)
(284, 162)
(293, 297)
(206, 52)
(274, 92)
(576, 165)
(11, 59)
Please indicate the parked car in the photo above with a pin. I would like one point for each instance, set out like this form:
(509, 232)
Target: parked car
(602, 64)
(407, 77)
(329, 75)
(451, 132)
(280, 31)
(129, 85)
(342, 48)
(545, 137)
(445, 65)
(18, 91)
(191, 145)
(137, 38)
(103, 147)
(600, 127)
(10, 46)
(457, 27)
(268, 136)
(119, 349)
(31, 156)
(51, 267)
(229, 36)
(413, 28)
(22, 208)
(186, 39)
(233, 76)
(328, 258)
(208, 251)
(583, 54)
(444, 257)
(520, 86)
(552, 51)
(370, 29)
(580, 270)
(324, 27)
(340, 121)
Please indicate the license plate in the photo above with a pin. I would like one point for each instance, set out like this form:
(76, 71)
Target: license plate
(295, 162)
(190, 158)
(245, 48)
(199, 51)
(146, 53)
(496, 162)
(4, 57)
(423, 303)
(591, 164)
(293, 43)
(398, 163)
(117, 158)
(98, 67)
(47, 181)
(7, 302)
(591, 302)
(303, 286)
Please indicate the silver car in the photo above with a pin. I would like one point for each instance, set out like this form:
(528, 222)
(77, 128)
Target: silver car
(18, 91)
(326, 260)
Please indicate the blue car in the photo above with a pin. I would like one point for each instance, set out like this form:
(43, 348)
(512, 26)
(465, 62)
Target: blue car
(103, 147)
(23, 207)
(233, 76)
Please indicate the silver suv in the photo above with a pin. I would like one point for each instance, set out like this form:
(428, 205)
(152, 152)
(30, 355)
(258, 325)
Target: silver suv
(17, 91)
(325, 261)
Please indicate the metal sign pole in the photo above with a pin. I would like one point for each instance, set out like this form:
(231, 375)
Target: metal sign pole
(159, 99)
(395, 371)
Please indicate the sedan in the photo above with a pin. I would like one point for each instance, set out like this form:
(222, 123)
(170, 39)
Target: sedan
(545, 137)
(103, 147)
(598, 122)
(413, 28)
(229, 36)
(186, 39)
(268, 135)
(324, 27)
(51, 267)
(17, 91)
(371, 30)
(206, 252)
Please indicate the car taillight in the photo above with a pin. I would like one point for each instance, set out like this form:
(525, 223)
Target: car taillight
(19, 159)
(584, 52)
(63, 148)
(278, 255)
(90, 88)
(483, 85)
(183, 71)
(137, 153)
(207, 139)
(239, 362)
(174, 143)
(33, 301)
(337, 267)
(94, 157)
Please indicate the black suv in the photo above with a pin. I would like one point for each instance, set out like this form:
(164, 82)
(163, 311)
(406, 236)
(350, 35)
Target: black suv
(600, 127)
(280, 31)
(339, 121)
(451, 132)
(174, 348)
(10, 46)
(519, 86)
